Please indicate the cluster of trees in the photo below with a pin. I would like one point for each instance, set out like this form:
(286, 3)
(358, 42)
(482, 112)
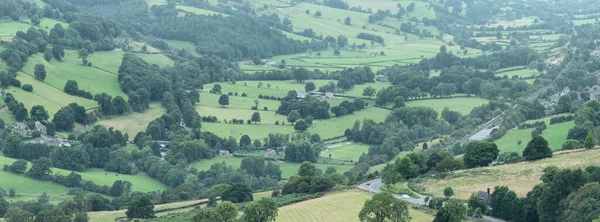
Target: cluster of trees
(72, 88)
(308, 181)
(563, 195)
(308, 106)
(303, 150)
(371, 37)
(346, 107)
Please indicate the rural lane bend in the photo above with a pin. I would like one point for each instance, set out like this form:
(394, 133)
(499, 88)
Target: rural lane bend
(373, 186)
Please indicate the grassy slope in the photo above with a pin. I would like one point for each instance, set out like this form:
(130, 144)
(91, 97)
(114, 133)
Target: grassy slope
(43, 94)
(520, 177)
(463, 105)
(133, 123)
(555, 134)
(288, 169)
(343, 206)
(29, 186)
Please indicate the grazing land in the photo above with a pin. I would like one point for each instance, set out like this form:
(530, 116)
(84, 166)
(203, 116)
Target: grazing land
(133, 123)
(336, 126)
(346, 152)
(520, 177)
(343, 206)
(555, 134)
(463, 105)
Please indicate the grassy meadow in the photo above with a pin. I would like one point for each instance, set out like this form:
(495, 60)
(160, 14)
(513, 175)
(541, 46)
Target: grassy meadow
(133, 122)
(346, 152)
(337, 125)
(520, 177)
(556, 135)
(463, 105)
(342, 206)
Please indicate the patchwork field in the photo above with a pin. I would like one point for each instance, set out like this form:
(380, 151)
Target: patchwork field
(463, 105)
(520, 177)
(343, 206)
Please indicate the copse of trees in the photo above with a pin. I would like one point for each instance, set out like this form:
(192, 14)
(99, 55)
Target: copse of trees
(479, 154)
(537, 149)
(371, 37)
(308, 106)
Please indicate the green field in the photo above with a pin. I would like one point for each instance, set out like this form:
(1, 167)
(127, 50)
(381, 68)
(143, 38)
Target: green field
(43, 94)
(346, 152)
(238, 130)
(267, 117)
(555, 134)
(335, 127)
(197, 11)
(293, 85)
(463, 105)
(342, 206)
(583, 21)
(287, 169)
(523, 73)
(189, 46)
(133, 123)
(237, 102)
(111, 60)
(10, 28)
(140, 181)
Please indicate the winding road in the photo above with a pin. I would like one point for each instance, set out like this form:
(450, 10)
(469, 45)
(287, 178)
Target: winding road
(373, 186)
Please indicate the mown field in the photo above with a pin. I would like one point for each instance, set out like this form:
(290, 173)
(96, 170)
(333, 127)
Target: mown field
(555, 134)
(336, 126)
(343, 206)
(520, 177)
(523, 73)
(346, 152)
(133, 123)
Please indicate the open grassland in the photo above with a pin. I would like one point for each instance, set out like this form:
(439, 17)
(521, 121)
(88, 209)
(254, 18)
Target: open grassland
(88, 78)
(140, 181)
(346, 152)
(343, 206)
(110, 216)
(583, 21)
(520, 177)
(133, 122)
(10, 28)
(237, 102)
(523, 73)
(287, 169)
(336, 126)
(463, 105)
(111, 60)
(293, 85)
(255, 131)
(189, 46)
(525, 21)
(555, 134)
(197, 11)
(267, 117)
(43, 94)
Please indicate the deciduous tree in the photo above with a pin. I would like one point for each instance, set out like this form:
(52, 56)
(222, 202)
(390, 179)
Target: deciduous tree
(384, 207)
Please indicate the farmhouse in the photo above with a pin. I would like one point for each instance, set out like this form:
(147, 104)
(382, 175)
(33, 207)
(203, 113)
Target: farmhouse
(301, 95)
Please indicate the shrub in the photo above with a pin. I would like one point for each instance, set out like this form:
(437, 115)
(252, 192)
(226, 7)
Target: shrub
(244, 95)
(27, 87)
(275, 193)
(266, 108)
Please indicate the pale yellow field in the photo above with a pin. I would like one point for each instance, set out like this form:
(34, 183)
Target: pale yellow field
(133, 122)
(520, 177)
(343, 206)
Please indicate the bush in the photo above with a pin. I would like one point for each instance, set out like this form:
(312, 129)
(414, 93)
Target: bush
(27, 87)
(244, 95)
(572, 144)
(561, 119)
(230, 94)
(275, 193)
(266, 108)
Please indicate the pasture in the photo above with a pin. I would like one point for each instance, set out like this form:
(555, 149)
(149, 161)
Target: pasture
(255, 131)
(43, 94)
(237, 102)
(110, 61)
(336, 126)
(520, 177)
(267, 117)
(28, 187)
(287, 169)
(523, 73)
(555, 134)
(198, 11)
(342, 206)
(88, 78)
(584, 21)
(133, 122)
(189, 46)
(463, 105)
(346, 152)
(110, 216)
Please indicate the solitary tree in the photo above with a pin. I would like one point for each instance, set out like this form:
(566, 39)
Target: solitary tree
(384, 207)
(452, 211)
(255, 117)
(369, 91)
(216, 89)
(348, 21)
(310, 86)
(38, 113)
(224, 100)
(142, 207)
(536, 149)
(590, 142)
(40, 72)
(293, 116)
(263, 210)
(448, 192)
